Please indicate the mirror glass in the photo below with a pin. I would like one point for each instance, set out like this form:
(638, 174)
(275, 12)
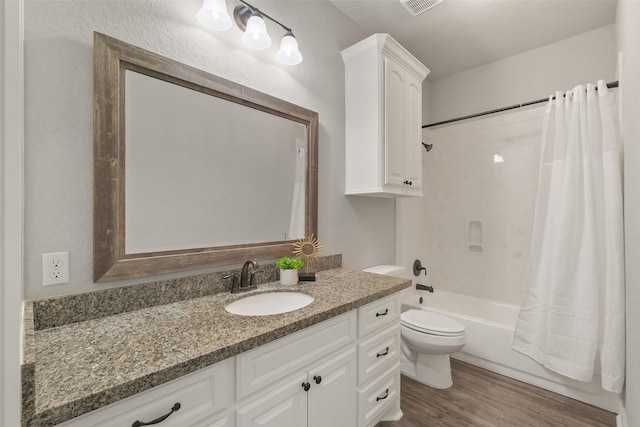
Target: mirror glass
(202, 171)
(193, 171)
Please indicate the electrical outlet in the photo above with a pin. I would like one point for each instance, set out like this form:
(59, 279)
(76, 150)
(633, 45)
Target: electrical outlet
(55, 268)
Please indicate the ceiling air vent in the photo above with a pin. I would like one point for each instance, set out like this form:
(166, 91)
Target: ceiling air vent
(416, 7)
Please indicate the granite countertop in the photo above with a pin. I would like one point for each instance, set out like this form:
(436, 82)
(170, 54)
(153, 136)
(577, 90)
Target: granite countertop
(83, 366)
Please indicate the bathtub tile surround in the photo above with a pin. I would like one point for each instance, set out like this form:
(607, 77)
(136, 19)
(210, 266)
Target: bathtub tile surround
(479, 212)
(66, 309)
(86, 365)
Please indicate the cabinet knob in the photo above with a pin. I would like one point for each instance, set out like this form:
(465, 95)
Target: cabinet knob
(317, 379)
(306, 386)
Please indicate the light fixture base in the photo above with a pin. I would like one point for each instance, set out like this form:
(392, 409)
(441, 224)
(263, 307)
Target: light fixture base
(241, 15)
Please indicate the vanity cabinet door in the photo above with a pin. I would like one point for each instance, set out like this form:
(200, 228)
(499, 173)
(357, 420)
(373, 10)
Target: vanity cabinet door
(403, 129)
(332, 397)
(283, 406)
(395, 124)
(413, 149)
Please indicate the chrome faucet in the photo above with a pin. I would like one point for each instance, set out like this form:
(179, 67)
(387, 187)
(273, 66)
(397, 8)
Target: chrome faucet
(247, 281)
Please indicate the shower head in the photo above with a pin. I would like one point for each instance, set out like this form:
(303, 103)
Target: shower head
(427, 147)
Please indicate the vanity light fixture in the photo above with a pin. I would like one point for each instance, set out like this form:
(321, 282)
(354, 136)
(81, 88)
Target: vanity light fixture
(213, 14)
(288, 53)
(255, 35)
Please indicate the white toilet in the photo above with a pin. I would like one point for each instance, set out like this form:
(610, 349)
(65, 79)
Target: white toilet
(428, 339)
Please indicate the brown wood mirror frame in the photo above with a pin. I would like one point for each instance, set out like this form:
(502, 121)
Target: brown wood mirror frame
(112, 58)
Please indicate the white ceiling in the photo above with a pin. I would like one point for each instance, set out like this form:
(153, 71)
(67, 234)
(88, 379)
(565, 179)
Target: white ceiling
(461, 34)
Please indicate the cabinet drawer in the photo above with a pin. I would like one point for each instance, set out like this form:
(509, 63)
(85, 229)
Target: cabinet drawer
(376, 398)
(377, 353)
(200, 394)
(273, 362)
(378, 314)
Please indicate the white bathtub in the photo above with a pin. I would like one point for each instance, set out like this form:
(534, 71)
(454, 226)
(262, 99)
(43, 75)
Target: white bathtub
(489, 328)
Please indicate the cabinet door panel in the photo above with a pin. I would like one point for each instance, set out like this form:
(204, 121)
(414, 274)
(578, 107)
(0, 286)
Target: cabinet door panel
(285, 406)
(333, 402)
(395, 123)
(413, 149)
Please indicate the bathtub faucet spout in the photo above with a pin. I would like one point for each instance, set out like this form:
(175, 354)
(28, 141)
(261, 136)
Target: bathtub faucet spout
(424, 287)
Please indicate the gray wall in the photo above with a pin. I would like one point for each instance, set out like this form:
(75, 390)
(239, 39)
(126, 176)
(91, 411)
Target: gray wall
(58, 117)
(627, 18)
(527, 76)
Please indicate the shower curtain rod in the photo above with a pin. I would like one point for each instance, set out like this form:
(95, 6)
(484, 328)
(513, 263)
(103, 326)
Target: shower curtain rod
(610, 85)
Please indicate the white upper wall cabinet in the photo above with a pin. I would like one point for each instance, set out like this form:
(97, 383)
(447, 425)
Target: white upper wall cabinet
(383, 91)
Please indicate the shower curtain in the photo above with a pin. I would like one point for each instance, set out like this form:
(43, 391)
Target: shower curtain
(574, 306)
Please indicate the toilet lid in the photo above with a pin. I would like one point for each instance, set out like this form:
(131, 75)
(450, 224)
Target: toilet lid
(431, 323)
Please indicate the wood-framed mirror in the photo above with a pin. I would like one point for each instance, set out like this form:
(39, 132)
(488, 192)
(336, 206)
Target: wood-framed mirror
(193, 171)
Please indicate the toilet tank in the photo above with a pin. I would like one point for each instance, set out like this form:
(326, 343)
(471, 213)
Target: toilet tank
(395, 271)
(389, 270)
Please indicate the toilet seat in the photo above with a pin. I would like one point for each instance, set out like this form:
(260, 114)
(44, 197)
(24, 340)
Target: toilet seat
(431, 323)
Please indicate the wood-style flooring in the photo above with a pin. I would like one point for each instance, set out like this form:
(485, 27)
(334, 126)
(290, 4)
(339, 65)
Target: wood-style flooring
(481, 398)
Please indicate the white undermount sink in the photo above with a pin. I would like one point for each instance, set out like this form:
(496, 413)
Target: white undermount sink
(269, 303)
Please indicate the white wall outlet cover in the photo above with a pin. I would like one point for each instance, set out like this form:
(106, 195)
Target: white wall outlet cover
(55, 268)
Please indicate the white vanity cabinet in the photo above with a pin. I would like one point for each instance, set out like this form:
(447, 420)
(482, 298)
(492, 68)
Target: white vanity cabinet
(343, 371)
(383, 84)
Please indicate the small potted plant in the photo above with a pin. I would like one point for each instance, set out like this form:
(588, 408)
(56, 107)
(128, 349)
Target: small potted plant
(289, 270)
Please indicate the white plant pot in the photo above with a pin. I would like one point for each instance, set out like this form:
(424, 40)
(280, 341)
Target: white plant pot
(288, 277)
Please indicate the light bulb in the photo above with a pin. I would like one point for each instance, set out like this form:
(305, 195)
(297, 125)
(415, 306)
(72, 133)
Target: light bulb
(213, 14)
(256, 36)
(288, 53)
